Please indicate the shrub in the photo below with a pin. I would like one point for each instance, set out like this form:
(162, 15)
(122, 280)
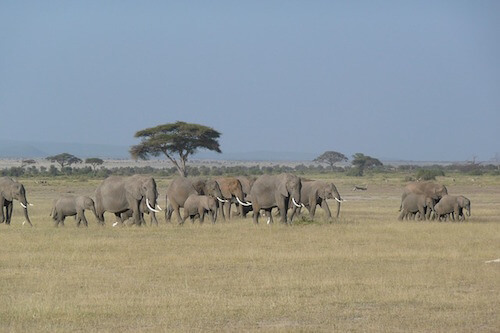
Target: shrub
(428, 174)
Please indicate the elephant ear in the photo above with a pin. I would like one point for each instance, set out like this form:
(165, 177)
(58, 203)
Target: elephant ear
(134, 190)
(282, 189)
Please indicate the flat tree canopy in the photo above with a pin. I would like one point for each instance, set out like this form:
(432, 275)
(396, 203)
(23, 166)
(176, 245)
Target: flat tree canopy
(94, 161)
(331, 157)
(362, 161)
(177, 139)
(64, 159)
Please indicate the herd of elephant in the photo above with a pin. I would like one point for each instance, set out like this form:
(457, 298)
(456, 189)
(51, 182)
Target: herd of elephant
(429, 200)
(133, 196)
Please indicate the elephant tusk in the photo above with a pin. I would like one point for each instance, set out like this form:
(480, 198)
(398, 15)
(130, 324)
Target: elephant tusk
(158, 206)
(115, 224)
(30, 204)
(295, 202)
(151, 208)
(222, 200)
(339, 200)
(23, 205)
(243, 203)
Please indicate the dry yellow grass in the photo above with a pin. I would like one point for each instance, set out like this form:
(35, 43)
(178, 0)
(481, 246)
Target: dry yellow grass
(364, 272)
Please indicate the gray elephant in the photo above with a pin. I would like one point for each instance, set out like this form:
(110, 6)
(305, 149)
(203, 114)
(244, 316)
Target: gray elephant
(451, 204)
(117, 194)
(70, 205)
(181, 188)
(199, 205)
(271, 191)
(10, 190)
(143, 210)
(428, 188)
(316, 192)
(416, 203)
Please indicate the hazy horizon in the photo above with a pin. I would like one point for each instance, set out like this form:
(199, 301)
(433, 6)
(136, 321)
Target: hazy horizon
(410, 81)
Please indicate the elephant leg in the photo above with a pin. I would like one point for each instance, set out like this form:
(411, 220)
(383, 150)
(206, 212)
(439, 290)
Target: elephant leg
(256, 212)
(227, 207)
(221, 211)
(84, 219)
(2, 205)
(8, 211)
(153, 219)
(292, 214)
(325, 207)
(401, 215)
(177, 211)
(312, 210)
(202, 215)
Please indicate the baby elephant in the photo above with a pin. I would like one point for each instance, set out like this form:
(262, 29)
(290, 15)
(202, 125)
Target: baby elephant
(70, 205)
(199, 205)
(454, 205)
(416, 203)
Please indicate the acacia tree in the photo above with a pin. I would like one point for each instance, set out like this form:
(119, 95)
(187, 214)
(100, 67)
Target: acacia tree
(331, 157)
(64, 159)
(178, 139)
(361, 162)
(94, 161)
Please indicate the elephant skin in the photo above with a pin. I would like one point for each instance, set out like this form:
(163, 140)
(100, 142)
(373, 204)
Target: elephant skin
(181, 188)
(271, 191)
(118, 194)
(199, 205)
(143, 210)
(10, 190)
(231, 189)
(430, 189)
(70, 205)
(416, 203)
(451, 204)
(316, 192)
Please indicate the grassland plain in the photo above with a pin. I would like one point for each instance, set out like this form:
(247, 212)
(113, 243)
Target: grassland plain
(364, 272)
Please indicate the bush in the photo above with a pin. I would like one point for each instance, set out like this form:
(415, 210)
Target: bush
(428, 174)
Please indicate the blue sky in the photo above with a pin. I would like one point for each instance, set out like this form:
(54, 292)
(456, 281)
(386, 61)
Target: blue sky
(393, 79)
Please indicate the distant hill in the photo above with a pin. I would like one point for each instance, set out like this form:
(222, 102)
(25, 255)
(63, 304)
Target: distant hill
(19, 149)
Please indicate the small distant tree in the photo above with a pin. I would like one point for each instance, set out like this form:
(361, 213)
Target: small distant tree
(178, 139)
(27, 162)
(64, 160)
(94, 162)
(362, 162)
(331, 157)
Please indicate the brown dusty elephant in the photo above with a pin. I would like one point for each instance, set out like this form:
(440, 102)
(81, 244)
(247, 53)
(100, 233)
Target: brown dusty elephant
(316, 192)
(70, 205)
(10, 190)
(231, 189)
(271, 191)
(430, 189)
(181, 188)
(246, 186)
(117, 194)
(199, 205)
(416, 203)
(451, 204)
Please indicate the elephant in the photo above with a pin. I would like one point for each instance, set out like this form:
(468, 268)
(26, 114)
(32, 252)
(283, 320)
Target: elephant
(271, 191)
(316, 192)
(10, 190)
(416, 203)
(181, 188)
(199, 205)
(70, 205)
(231, 188)
(246, 186)
(143, 210)
(117, 194)
(428, 188)
(451, 204)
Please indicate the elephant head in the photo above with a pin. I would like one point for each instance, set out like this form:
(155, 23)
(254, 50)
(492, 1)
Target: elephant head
(330, 192)
(14, 190)
(209, 187)
(289, 186)
(89, 204)
(212, 208)
(463, 202)
(144, 187)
